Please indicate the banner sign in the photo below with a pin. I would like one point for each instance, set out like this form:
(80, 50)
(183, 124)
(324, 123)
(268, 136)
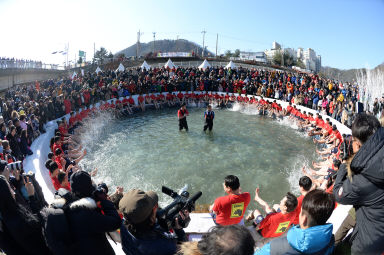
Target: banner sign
(173, 54)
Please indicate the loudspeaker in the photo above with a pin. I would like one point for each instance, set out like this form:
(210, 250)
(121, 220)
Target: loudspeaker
(359, 107)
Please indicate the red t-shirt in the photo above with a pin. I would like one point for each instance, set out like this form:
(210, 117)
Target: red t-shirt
(72, 121)
(230, 209)
(181, 113)
(131, 101)
(141, 99)
(67, 105)
(125, 101)
(56, 183)
(298, 209)
(275, 224)
(338, 136)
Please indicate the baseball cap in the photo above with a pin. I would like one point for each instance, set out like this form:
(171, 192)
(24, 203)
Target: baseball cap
(137, 205)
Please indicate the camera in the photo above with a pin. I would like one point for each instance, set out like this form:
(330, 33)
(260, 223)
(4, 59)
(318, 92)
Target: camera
(168, 215)
(101, 192)
(18, 165)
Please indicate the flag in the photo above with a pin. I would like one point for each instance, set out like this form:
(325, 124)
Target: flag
(82, 72)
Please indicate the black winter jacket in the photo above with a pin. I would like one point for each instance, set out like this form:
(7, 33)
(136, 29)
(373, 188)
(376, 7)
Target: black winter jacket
(16, 237)
(88, 226)
(366, 193)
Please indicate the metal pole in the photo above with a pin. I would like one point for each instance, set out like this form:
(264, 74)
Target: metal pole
(217, 40)
(203, 32)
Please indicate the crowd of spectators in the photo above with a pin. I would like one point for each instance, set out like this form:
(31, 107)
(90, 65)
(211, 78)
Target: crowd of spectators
(7, 63)
(83, 213)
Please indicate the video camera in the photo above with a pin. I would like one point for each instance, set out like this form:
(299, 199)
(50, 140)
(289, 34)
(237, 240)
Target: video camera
(168, 215)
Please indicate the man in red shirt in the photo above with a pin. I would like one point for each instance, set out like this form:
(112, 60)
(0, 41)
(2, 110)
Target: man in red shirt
(230, 209)
(276, 222)
(141, 101)
(182, 114)
(305, 184)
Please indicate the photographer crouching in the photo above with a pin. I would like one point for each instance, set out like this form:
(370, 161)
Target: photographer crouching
(141, 233)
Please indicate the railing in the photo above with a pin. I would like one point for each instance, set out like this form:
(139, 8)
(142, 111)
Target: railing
(214, 64)
(26, 64)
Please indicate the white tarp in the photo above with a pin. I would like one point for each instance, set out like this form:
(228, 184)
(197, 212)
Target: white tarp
(121, 68)
(145, 66)
(98, 70)
(169, 64)
(231, 65)
(204, 65)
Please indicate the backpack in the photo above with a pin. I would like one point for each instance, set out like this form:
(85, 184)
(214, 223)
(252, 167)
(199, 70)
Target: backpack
(56, 230)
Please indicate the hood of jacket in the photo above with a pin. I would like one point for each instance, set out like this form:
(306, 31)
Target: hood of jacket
(369, 160)
(310, 240)
(86, 203)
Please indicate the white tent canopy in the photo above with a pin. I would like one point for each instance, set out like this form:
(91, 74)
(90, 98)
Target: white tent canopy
(98, 70)
(204, 65)
(145, 66)
(231, 65)
(121, 68)
(169, 64)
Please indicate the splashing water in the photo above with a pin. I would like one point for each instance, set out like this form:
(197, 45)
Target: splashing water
(371, 86)
(148, 151)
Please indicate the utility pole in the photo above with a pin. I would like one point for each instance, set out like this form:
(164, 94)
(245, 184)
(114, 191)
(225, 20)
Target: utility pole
(94, 52)
(282, 56)
(154, 39)
(203, 32)
(217, 40)
(138, 44)
(67, 53)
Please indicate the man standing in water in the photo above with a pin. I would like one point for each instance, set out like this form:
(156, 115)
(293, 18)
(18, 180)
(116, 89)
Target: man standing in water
(182, 114)
(209, 115)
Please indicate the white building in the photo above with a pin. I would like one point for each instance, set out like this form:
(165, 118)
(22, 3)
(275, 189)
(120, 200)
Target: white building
(276, 46)
(307, 56)
(255, 56)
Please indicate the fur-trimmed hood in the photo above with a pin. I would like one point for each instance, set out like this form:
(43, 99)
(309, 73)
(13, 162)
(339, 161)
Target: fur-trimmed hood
(87, 203)
(189, 248)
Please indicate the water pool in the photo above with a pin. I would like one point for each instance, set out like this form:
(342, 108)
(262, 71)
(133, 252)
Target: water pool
(147, 151)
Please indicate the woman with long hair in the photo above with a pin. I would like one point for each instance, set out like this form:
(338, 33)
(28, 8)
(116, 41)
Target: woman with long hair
(20, 228)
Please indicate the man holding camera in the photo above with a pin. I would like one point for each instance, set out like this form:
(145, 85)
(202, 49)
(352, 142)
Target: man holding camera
(140, 232)
(90, 216)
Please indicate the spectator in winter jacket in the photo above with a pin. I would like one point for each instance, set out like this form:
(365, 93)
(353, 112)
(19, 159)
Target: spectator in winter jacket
(313, 235)
(20, 231)
(14, 143)
(88, 222)
(360, 182)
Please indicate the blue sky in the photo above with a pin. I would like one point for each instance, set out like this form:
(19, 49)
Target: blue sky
(346, 33)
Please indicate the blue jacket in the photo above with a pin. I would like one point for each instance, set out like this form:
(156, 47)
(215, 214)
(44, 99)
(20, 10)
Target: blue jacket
(304, 241)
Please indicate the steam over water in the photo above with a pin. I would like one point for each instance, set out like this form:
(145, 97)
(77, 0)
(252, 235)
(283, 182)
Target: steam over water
(147, 151)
